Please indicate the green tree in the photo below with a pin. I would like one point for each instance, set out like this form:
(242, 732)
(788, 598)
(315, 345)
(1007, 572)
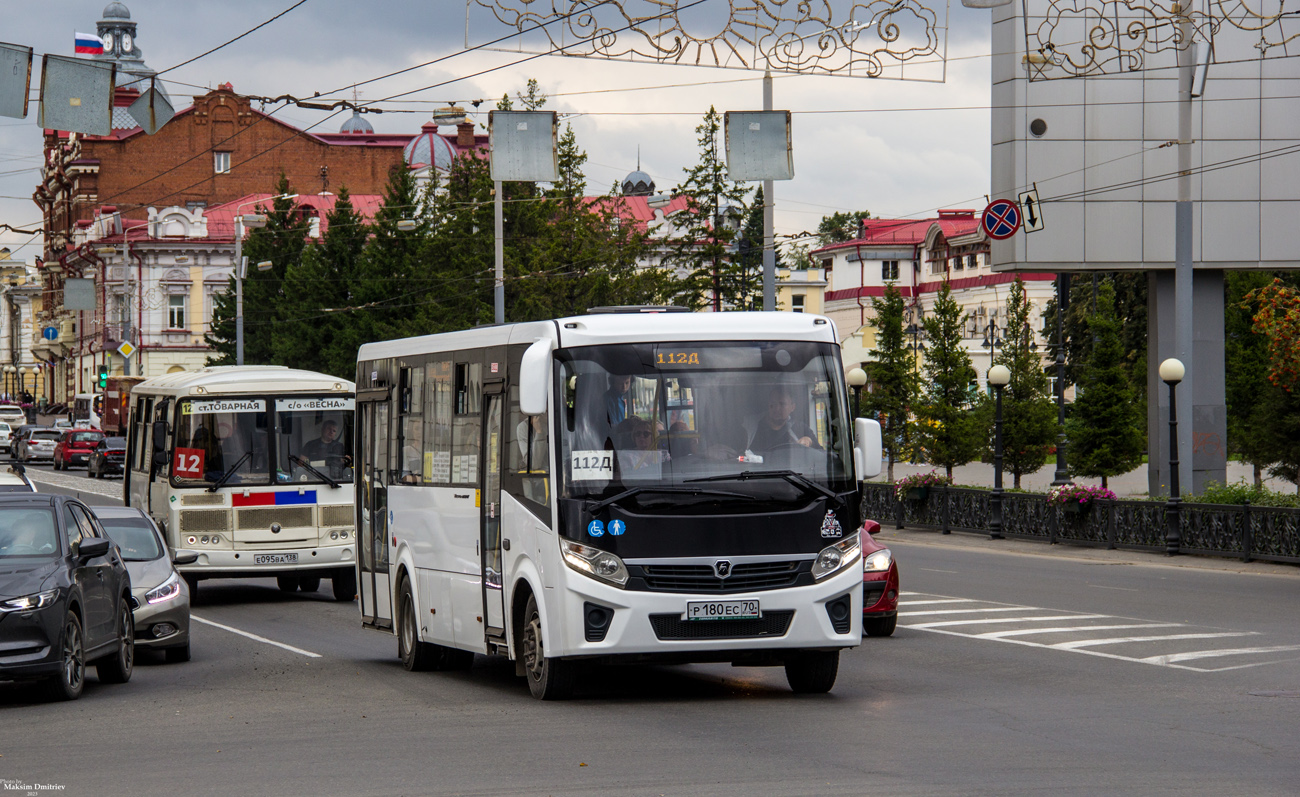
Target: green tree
(839, 227)
(1130, 307)
(891, 376)
(1246, 362)
(1106, 429)
(947, 428)
(1028, 414)
(701, 243)
(1278, 412)
(281, 243)
(744, 280)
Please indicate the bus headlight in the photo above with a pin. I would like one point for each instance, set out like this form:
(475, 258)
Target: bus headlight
(594, 562)
(834, 558)
(878, 562)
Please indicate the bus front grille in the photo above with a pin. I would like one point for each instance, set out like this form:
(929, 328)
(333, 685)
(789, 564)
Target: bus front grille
(746, 577)
(342, 515)
(203, 499)
(771, 624)
(204, 520)
(263, 517)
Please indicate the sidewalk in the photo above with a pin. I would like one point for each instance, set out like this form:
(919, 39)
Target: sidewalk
(980, 543)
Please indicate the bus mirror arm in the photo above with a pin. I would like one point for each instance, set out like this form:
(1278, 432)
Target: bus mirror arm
(866, 448)
(160, 432)
(534, 377)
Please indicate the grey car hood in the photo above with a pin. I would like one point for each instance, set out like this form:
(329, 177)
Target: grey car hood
(147, 575)
(24, 577)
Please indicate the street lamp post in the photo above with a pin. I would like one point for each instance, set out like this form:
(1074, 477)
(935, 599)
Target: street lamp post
(9, 378)
(999, 376)
(991, 340)
(1171, 373)
(1062, 475)
(857, 378)
(127, 289)
(252, 221)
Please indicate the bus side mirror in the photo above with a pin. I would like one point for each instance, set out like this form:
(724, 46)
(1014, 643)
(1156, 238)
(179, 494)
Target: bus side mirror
(535, 377)
(866, 448)
(159, 436)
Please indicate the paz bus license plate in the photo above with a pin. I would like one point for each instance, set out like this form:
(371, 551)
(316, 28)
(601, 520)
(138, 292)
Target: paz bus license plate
(275, 559)
(721, 610)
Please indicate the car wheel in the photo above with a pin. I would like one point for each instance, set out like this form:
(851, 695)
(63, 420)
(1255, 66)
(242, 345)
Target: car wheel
(812, 672)
(67, 685)
(56, 463)
(548, 678)
(287, 583)
(116, 669)
(880, 626)
(309, 583)
(177, 655)
(344, 584)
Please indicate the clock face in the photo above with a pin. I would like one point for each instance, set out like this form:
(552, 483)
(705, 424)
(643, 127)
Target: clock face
(126, 43)
(108, 42)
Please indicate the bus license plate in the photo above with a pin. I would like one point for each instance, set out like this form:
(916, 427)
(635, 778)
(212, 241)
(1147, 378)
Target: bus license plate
(721, 610)
(275, 559)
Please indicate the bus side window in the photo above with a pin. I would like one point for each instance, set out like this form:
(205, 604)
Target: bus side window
(146, 436)
(528, 454)
(467, 423)
(411, 427)
(437, 423)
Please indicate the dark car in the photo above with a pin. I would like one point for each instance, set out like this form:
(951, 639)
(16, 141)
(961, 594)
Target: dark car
(74, 447)
(879, 585)
(65, 596)
(19, 433)
(162, 598)
(108, 456)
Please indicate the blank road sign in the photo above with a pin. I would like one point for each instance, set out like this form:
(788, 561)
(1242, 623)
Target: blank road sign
(523, 146)
(77, 95)
(758, 145)
(15, 79)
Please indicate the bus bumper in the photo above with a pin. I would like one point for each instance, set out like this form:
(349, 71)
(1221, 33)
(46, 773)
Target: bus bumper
(649, 624)
(269, 561)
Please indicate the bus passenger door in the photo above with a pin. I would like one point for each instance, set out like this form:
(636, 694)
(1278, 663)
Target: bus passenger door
(372, 510)
(490, 511)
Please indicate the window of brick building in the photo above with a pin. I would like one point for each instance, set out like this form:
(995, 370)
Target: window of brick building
(796, 303)
(221, 162)
(889, 270)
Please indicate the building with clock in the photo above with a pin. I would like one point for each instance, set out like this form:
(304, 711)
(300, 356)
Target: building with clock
(118, 33)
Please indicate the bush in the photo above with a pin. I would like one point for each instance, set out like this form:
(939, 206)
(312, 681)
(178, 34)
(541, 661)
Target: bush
(931, 479)
(1078, 494)
(1243, 492)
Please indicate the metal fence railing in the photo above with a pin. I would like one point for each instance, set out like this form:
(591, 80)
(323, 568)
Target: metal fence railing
(1245, 532)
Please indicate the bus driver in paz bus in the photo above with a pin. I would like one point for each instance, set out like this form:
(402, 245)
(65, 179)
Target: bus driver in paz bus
(328, 449)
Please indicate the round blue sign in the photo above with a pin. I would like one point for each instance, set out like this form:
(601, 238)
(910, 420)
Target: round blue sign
(1001, 219)
(617, 527)
(596, 528)
(50, 333)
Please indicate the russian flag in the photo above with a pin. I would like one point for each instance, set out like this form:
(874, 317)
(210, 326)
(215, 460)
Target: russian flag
(89, 43)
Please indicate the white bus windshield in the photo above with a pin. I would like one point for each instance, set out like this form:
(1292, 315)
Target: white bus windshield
(314, 439)
(655, 414)
(221, 440)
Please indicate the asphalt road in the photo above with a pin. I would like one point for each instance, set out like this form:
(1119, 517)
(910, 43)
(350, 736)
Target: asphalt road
(1016, 669)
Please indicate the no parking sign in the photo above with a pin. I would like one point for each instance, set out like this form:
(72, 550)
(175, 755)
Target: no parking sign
(1001, 219)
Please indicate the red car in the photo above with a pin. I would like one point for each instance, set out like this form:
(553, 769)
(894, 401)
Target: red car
(879, 585)
(74, 447)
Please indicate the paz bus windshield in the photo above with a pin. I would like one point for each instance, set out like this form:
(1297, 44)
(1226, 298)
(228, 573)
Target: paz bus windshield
(654, 415)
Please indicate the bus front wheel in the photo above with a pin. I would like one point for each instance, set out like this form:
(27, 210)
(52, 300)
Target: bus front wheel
(416, 656)
(548, 678)
(812, 672)
(344, 583)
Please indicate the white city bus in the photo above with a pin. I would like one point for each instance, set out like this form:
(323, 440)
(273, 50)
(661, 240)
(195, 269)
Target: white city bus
(610, 488)
(251, 469)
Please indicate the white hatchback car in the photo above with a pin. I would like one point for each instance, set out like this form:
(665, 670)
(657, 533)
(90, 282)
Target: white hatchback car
(38, 445)
(6, 431)
(12, 414)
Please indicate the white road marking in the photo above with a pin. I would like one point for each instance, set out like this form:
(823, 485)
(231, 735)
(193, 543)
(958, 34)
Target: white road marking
(1119, 640)
(992, 620)
(944, 600)
(1070, 629)
(932, 570)
(289, 648)
(969, 611)
(1210, 654)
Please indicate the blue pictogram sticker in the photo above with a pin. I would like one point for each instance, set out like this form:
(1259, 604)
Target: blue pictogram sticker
(597, 529)
(617, 527)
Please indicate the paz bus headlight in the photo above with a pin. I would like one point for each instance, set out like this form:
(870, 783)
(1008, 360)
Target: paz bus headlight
(594, 562)
(834, 558)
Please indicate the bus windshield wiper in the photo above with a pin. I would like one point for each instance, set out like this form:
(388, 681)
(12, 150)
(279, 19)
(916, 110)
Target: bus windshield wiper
(797, 479)
(233, 468)
(305, 464)
(613, 499)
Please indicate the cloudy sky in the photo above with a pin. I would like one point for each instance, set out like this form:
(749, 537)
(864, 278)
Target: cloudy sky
(895, 148)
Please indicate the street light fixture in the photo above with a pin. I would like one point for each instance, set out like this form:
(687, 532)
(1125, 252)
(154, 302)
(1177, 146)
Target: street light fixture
(1172, 372)
(857, 378)
(252, 221)
(406, 225)
(999, 376)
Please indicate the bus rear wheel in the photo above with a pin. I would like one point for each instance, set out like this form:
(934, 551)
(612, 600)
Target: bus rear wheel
(309, 583)
(287, 583)
(344, 584)
(548, 678)
(812, 672)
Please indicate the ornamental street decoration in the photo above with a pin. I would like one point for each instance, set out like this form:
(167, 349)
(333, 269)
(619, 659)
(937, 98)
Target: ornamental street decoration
(899, 39)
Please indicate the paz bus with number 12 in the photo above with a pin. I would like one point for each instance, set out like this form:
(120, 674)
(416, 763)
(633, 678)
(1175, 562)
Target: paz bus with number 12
(250, 468)
(635, 484)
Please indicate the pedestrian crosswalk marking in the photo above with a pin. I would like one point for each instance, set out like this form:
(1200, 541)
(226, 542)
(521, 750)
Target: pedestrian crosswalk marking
(1086, 639)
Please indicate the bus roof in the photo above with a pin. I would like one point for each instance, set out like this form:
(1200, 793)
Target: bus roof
(225, 379)
(604, 328)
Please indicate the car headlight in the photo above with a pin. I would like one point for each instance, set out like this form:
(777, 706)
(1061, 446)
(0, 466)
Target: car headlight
(29, 602)
(594, 562)
(834, 558)
(877, 562)
(165, 591)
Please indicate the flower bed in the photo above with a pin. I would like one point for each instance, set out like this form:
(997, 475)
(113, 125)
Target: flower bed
(920, 482)
(1078, 494)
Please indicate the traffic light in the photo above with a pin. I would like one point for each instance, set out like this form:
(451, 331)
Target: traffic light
(103, 376)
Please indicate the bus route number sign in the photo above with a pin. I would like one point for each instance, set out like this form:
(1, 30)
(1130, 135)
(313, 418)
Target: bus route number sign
(592, 465)
(188, 463)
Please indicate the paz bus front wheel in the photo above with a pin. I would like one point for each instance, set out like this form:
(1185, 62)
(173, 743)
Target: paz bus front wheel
(548, 678)
(344, 584)
(812, 672)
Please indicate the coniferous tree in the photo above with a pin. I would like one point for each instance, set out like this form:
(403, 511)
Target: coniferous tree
(947, 429)
(839, 227)
(744, 280)
(701, 244)
(891, 376)
(1106, 430)
(1028, 414)
(1245, 355)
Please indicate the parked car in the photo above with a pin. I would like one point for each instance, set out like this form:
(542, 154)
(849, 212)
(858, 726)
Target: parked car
(19, 433)
(108, 456)
(879, 585)
(13, 414)
(6, 431)
(14, 480)
(74, 447)
(65, 596)
(39, 444)
(162, 598)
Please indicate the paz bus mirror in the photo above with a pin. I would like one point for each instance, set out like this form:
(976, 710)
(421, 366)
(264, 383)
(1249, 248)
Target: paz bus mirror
(159, 436)
(866, 448)
(535, 377)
